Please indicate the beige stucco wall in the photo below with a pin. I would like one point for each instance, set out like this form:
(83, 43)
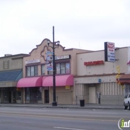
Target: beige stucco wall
(111, 92)
(95, 79)
(12, 63)
(107, 67)
(60, 51)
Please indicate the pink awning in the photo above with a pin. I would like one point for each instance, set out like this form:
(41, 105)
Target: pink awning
(61, 80)
(30, 82)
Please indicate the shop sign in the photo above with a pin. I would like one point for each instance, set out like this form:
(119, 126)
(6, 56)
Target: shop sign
(89, 63)
(32, 61)
(50, 66)
(109, 51)
(49, 56)
(62, 57)
(67, 87)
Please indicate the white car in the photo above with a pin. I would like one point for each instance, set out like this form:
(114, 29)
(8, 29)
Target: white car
(127, 102)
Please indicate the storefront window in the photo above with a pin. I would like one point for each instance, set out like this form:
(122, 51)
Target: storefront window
(39, 94)
(58, 68)
(67, 68)
(62, 68)
(18, 95)
(35, 70)
(28, 71)
(43, 69)
(32, 70)
(33, 94)
(27, 94)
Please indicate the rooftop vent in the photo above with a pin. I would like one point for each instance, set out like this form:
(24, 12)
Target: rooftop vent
(8, 54)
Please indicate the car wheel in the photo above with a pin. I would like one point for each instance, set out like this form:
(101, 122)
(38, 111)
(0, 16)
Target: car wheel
(125, 107)
(128, 106)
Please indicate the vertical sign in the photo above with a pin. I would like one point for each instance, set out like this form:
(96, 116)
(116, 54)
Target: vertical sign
(49, 59)
(109, 49)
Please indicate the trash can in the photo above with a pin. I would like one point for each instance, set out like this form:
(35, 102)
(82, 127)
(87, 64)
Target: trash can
(82, 103)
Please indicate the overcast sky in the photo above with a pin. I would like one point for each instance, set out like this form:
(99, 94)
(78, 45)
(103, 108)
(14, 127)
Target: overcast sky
(84, 24)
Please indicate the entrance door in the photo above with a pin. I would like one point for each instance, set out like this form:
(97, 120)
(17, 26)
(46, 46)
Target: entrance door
(6, 95)
(92, 95)
(14, 96)
(33, 95)
(46, 93)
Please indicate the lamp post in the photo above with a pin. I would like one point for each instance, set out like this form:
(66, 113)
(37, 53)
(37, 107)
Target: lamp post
(55, 45)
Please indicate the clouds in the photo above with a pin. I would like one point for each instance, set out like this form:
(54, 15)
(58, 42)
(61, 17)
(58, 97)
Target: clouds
(78, 23)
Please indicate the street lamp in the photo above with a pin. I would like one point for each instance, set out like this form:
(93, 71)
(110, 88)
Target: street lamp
(55, 45)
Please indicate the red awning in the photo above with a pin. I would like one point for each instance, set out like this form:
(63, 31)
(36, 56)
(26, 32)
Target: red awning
(30, 82)
(125, 78)
(61, 80)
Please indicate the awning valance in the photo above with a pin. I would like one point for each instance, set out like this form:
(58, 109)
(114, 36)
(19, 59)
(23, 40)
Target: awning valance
(61, 80)
(125, 78)
(30, 82)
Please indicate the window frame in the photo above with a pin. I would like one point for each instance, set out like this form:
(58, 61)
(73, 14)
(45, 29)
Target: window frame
(67, 62)
(34, 73)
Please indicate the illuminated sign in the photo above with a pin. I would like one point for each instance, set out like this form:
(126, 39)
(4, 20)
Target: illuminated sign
(98, 62)
(109, 51)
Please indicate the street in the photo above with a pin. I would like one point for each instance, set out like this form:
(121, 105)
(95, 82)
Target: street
(16, 118)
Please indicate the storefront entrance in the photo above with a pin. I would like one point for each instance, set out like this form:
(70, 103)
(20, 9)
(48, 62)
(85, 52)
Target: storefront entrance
(46, 93)
(6, 96)
(33, 95)
(92, 95)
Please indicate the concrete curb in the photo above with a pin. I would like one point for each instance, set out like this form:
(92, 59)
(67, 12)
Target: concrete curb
(66, 107)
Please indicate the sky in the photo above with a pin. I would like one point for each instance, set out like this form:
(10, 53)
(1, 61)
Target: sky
(83, 24)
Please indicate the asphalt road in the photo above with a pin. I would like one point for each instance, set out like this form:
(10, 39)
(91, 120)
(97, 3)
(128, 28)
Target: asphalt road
(59, 119)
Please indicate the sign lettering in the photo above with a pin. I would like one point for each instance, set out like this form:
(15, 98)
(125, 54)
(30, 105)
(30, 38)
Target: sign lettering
(89, 63)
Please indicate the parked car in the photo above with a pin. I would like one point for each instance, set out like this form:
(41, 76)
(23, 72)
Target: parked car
(127, 101)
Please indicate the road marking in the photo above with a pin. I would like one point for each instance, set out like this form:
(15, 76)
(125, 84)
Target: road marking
(67, 128)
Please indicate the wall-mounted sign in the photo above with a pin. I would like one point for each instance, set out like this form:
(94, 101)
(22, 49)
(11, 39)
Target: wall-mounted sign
(67, 87)
(49, 56)
(50, 66)
(32, 61)
(99, 80)
(98, 62)
(109, 49)
(62, 57)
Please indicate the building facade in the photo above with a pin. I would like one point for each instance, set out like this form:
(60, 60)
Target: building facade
(37, 81)
(10, 72)
(96, 80)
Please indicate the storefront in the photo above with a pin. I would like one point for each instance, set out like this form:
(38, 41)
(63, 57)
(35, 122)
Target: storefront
(97, 78)
(10, 72)
(32, 89)
(124, 80)
(37, 81)
(64, 89)
(40, 89)
(8, 90)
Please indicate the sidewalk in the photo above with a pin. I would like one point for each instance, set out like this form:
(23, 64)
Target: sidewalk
(87, 106)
